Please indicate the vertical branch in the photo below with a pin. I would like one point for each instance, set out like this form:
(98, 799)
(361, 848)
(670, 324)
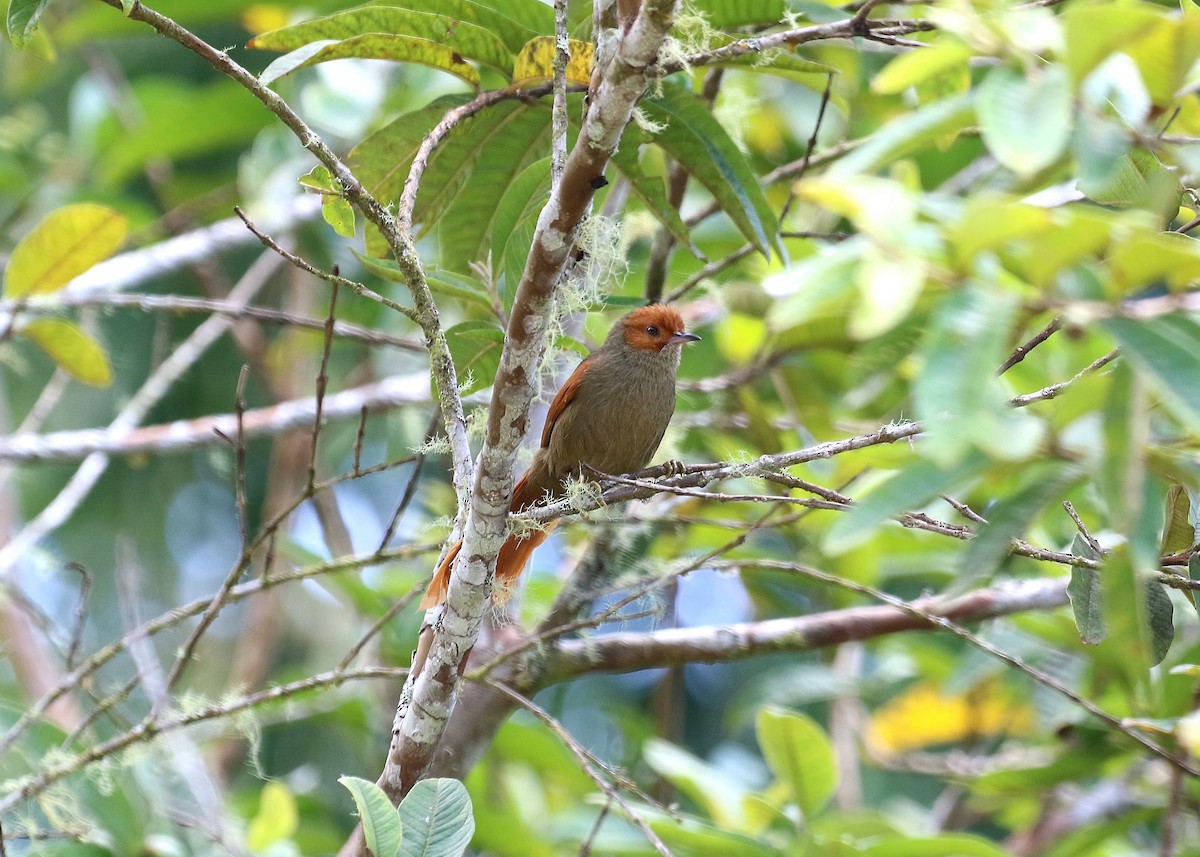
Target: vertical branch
(562, 57)
(616, 86)
(322, 383)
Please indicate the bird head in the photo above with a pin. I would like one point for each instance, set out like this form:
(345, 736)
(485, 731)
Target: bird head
(655, 328)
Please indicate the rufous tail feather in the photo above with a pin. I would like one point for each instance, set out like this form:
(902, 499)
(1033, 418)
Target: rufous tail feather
(513, 557)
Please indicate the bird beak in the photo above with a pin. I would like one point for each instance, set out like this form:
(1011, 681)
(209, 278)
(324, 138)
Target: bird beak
(682, 337)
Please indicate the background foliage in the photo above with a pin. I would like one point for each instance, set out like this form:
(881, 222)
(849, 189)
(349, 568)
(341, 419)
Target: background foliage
(866, 211)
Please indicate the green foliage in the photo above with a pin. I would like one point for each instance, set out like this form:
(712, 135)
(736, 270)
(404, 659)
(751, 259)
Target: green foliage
(1028, 166)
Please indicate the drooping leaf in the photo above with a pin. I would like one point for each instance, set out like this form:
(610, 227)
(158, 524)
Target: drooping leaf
(387, 32)
(437, 819)
(1144, 257)
(800, 754)
(498, 141)
(1086, 594)
(650, 189)
(1179, 533)
(946, 845)
(1025, 120)
(1164, 54)
(338, 213)
(1160, 614)
(74, 352)
(1094, 33)
(62, 246)
(376, 46)
(382, 826)
(1166, 350)
(382, 161)
(535, 62)
(475, 347)
(473, 222)
(692, 137)
(523, 198)
(23, 16)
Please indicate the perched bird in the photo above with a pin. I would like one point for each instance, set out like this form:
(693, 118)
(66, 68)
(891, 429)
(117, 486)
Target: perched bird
(611, 415)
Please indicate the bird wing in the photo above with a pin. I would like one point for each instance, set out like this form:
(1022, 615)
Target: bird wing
(566, 394)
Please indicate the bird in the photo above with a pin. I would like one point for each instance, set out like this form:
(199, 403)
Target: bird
(610, 415)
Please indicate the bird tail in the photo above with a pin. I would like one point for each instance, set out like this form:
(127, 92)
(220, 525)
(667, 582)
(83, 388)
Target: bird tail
(513, 557)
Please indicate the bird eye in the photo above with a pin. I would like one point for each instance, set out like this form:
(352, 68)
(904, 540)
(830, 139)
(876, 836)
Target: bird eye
(652, 329)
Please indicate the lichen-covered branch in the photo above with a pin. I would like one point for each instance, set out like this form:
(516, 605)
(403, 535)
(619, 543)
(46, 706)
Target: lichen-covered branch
(617, 85)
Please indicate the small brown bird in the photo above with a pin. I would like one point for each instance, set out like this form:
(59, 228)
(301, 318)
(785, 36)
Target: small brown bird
(611, 415)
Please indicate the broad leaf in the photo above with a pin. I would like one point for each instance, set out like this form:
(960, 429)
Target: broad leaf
(61, 247)
(382, 826)
(650, 189)
(475, 347)
(376, 46)
(23, 18)
(1179, 533)
(386, 32)
(523, 198)
(800, 755)
(74, 351)
(535, 62)
(1025, 120)
(1166, 350)
(700, 145)
(437, 819)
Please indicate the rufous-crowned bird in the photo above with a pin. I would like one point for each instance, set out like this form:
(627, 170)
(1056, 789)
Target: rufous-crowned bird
(610, 414)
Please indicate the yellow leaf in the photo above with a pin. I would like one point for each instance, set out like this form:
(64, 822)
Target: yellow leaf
(277, 818)
(925, 715)
(61, 247)
(264, 17)
(74, 351)
(536, 61)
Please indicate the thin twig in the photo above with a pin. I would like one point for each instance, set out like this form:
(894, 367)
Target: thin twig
(321, 384)
(1021, 351)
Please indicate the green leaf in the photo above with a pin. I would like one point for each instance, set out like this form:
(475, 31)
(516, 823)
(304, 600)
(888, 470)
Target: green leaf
(1144, 257)
(1166, 351)
(650, 189)
(957, 393)
(1025, 121)
(523, 199)
(1086, 594)
(339, 213)
(1008, 520)
(889, 288)
(382, 826)
(1095, 31)
(720, 797)
(1179, 533)
(408, 26)
(277, 817)
(702, 147)
(914, 67)
(908, 489)
(475, 347)
(1165, 54)
(321, 180)
(499, 141)
(800, 755)
(376, 46)
(1160, 614)
(74, 352)
(62, 246)
(382, 161)
(910, 133)
(437, 819)
(23, 18)
(471, 224)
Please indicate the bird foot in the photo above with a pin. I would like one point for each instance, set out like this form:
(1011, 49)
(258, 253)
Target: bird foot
(674, 468)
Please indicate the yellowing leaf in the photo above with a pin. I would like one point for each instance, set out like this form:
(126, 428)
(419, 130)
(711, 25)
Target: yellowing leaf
(74, 351)
(925, 715)
(1187, 732)
(277, 817)
(914, 67)
(64, 245)
(264, 17)
(536, 61)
